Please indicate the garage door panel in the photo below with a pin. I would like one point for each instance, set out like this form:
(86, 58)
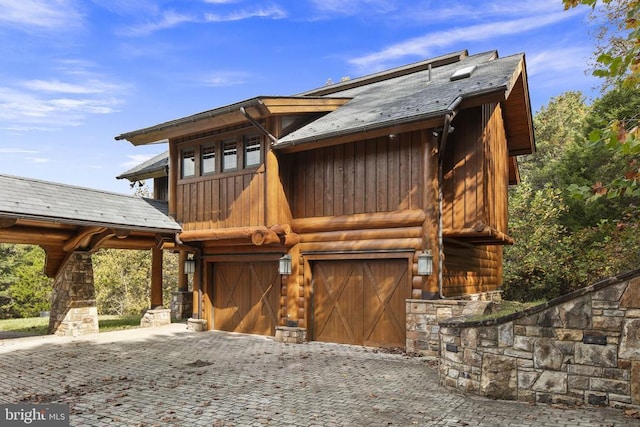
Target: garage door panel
(245, 297)
(337, 289)
(361, 302)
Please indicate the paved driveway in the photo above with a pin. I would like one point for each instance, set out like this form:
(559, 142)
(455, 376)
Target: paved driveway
(171, 377)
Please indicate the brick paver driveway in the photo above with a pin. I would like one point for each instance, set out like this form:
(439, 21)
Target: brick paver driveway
(170, 377)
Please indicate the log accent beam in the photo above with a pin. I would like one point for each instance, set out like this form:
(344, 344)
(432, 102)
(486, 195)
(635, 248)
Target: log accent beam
(409, 244)
(257, 235)
(33, 236)
(7, 222)
(407, 218)
(479, 234)
(344, 235)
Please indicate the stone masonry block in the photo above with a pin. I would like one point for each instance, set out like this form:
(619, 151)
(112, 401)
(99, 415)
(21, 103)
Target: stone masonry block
(551, 382)
(596, 355)
(611, 293)
(634, 382)
(505, 335)
(569, 334)
(576, 314)
(547, 355)
(631, 296)
(609, 386)
(630, 342)
(499, 377)
(607, 323)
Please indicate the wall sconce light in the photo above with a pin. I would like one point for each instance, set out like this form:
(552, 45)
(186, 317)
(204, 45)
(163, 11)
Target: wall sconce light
(284, 266)
(425, 263)
(189, 265)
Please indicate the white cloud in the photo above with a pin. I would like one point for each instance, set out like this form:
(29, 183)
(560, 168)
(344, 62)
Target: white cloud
(38, 159)
(168, 19)
(354, 7)
(171, 19)
(50, 14)
(273, 12)
(558, 60)
(17, 151)
(136, 159)
(57, 86)
(226, 78)
(424, 45)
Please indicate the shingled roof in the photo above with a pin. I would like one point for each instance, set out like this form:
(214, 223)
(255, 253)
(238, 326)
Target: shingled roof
(423, 91)
(27, 198)
(155, 167)
(393, 97)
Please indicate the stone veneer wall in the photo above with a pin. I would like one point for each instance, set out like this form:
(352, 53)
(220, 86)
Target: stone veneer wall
(423, 317)
(582, 348)
(73, 303)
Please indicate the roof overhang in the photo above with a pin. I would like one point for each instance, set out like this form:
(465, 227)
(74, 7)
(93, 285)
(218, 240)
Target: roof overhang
(258, 108)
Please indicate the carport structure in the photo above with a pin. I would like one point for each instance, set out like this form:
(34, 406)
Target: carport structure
(70, 223)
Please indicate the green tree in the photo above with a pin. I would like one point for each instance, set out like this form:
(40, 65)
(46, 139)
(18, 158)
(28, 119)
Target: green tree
(617, 61)
(123, 280)
(25, 291)
(562, 243)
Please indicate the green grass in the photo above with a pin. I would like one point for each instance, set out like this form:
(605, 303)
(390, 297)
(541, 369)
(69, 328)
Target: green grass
(505, 308)
(39, 325)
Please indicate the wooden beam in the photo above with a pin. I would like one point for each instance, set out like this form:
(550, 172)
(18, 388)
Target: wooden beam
(99, 239)
(362, 245)
(7, 222)
(156, 277)
(82, 238)
(407, 218)
(372, 234)
(33, 235)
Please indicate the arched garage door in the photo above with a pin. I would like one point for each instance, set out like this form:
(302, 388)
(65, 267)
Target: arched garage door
(245, 297)
(361, 302)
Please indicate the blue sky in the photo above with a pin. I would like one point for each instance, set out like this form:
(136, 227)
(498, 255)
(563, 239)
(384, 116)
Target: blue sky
(74, 74)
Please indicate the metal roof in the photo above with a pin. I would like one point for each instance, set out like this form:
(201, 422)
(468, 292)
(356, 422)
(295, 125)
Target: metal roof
(27, 198)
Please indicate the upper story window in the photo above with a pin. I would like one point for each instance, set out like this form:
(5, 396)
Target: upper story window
(229, 155)
(252, 151)
(221, 156)
(188, 163)
(208, 159)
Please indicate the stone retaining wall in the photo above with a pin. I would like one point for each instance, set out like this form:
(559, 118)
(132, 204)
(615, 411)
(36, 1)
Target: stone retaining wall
(423, 317)
(582, 348)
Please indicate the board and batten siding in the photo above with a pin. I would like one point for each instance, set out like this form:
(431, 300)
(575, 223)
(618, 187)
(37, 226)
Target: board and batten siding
(476, 171)
(221, 201)
(374, 175)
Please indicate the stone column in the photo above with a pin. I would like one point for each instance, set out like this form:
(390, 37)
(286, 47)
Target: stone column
(73, 303)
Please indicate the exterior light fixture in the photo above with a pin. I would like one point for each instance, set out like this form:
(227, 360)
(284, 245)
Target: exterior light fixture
(284, 266)
(425, 263)
(189, 266)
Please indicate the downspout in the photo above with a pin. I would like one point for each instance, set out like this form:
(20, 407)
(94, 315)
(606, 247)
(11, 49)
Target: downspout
(446, 128)
(257, 124)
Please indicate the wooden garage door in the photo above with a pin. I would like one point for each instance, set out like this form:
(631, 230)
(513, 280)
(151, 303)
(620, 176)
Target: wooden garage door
(245, 297)
(361, 302)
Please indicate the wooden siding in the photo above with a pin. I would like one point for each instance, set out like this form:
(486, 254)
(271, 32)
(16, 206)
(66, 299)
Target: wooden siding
(219, 201)
(374, 175)
(471, 269)
(476, 171)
